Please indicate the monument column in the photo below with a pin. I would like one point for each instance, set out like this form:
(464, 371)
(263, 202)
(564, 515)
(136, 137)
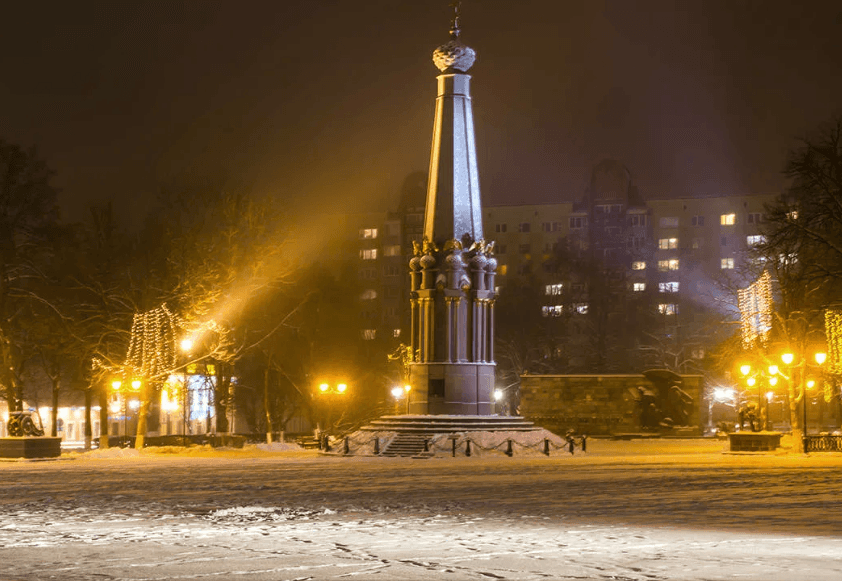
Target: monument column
(453, 267)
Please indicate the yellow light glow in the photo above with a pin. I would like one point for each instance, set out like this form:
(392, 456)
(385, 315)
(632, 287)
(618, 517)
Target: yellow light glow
(770, 395)
(136, 384)
(773, 381)
(811, 384)
(751, 381)
(773, 370)
(498, 394)
(787, 358)
(821, 357)
(397, 392)
(187, 345)
(407, 388)
(323, 387)
(116, 384)
(745, 369)
(341, 388)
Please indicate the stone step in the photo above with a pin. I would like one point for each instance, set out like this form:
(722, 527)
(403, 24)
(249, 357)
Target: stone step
(448, 424)
(405, 445)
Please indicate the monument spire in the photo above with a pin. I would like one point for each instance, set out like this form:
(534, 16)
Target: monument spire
(453, 195)
(452, 272)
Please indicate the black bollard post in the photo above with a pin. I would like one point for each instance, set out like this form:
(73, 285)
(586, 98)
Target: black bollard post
(327, 443)
(584, 443)
(426, 445)
(546, 446)
(453, 440)
(347, 448)
(376, 446)
(570, 442)
(509, 451)
(467, 447)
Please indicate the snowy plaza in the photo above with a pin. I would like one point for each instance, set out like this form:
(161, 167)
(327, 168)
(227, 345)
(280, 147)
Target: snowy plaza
(630, 510)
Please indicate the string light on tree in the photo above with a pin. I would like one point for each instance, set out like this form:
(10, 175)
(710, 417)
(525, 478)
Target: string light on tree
(755, 303)
(833, 332)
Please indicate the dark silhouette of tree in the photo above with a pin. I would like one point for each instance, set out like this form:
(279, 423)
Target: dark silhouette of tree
(28, 212)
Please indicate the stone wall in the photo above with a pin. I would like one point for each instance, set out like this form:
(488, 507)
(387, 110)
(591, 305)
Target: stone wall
(657, 402)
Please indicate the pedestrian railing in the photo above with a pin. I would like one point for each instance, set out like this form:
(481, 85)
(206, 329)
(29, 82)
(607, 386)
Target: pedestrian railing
(823, 443)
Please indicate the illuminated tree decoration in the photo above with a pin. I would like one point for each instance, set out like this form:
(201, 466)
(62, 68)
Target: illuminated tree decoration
(833, 332)
(755, 304)
(152, 352)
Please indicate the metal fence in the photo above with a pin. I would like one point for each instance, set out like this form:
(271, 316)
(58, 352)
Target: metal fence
(824, 443)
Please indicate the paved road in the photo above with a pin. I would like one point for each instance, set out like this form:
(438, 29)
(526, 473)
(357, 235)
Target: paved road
(675, 515)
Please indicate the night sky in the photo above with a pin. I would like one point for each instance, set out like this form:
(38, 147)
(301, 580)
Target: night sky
(333, 100)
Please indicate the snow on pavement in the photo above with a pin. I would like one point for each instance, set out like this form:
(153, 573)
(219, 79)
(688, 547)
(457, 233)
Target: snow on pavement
(626, 510)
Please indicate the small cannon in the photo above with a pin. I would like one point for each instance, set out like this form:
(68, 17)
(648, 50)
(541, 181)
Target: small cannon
(24, 424)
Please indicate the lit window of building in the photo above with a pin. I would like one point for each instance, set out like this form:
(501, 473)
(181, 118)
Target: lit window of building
(668, 243)
(552, 311)
(639, 287)
(755, 240)
(669, 222)
(368, 254)
(502, 269)
(553, 289)
(394, 250)
(638, 265)
(368, 295)
(369, 334)
(697, 353)
(667, 308)
(396, 333)
(580, 308)
(668, 287)
(792, 215)
(728, 219)
(726, 263)
(665, 265)
(368, 233)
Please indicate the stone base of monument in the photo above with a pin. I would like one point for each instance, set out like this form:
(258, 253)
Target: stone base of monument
(30, 447)
(426, 436)
(754, 441)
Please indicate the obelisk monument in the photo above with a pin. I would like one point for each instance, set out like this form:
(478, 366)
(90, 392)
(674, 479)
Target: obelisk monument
(452, 271)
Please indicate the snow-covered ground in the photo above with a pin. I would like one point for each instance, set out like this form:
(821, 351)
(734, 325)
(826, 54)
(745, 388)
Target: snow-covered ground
(635, 510)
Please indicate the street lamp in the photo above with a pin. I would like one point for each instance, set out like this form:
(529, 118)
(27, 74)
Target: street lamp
(328, 391)
(788, 358)
(399, 392)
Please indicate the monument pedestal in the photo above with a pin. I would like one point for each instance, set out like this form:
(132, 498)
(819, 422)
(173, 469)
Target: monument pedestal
(754, 441)
(30, 447)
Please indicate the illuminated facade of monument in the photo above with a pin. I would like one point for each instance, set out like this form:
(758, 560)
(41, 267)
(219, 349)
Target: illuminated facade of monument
(452, 271)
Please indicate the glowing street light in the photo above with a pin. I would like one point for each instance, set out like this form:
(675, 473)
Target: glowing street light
(186, 345)
(745, 369)
(787, 358)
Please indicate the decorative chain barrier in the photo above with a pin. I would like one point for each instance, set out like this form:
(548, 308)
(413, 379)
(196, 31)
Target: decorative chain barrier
(452, 444)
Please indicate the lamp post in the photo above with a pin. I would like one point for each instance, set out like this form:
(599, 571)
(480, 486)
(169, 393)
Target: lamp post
(399, 393)
(186, 347)
(788, 358)
(329, 391)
